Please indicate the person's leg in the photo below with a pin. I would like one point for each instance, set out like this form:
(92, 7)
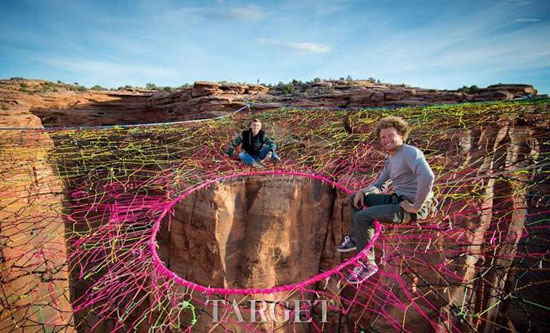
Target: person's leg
(364, 231)
(353, 211)
(371, 199)
(364, 223)
(256, 161)
(246, 158)
(263, 152)
(349, 243)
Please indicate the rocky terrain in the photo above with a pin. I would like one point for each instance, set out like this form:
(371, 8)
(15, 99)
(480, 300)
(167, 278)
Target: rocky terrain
(57, 106)
(228, 235)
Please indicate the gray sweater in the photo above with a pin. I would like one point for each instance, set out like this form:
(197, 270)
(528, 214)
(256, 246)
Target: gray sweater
(410, 175)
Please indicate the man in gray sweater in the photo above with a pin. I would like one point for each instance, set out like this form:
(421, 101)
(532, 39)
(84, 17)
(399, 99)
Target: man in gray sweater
(412, 180)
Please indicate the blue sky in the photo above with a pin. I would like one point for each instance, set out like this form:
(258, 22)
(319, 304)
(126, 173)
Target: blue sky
(431, 44)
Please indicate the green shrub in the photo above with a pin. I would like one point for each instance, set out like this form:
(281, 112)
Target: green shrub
(287, 88)
(469, 90)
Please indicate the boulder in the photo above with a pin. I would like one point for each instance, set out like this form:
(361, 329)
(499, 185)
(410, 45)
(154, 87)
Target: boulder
(515, 89)
(205, 88)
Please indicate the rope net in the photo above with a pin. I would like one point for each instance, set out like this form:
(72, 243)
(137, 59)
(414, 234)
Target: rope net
(87, 217)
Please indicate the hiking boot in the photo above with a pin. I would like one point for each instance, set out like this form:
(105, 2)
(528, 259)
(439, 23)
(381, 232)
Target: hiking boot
(276, 160)
(362, 272)
(347, 245)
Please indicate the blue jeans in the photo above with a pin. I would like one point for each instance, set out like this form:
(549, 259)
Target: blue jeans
(250, 159)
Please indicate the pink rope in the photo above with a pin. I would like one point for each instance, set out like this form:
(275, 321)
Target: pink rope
(160, 268)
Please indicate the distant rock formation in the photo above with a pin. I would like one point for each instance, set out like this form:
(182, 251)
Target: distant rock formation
(58, 106)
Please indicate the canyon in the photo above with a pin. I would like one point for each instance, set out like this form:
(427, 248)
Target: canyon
(260, 232)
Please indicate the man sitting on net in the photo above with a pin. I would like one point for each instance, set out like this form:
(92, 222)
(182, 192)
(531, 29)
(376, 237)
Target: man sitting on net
(256, 146)
(412, 180)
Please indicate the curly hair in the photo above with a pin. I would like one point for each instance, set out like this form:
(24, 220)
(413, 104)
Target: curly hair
(398, 123)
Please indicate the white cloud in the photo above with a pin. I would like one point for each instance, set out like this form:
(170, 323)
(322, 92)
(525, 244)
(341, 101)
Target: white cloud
(183, 14)
(306, 47)
(481, 48)
(248, 13)
(329, 9)
(527, 20)
(467, 43)
(301, 47)
(517, 2)
(190, 14)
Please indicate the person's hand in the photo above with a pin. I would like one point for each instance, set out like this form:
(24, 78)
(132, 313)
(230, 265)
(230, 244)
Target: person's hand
(408, 207)
(358, 199)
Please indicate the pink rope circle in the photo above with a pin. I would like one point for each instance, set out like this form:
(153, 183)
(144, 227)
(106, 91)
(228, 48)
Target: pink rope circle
(160, 268)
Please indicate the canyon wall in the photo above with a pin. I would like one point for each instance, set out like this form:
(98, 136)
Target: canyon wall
(33, 251)
(261, 231)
